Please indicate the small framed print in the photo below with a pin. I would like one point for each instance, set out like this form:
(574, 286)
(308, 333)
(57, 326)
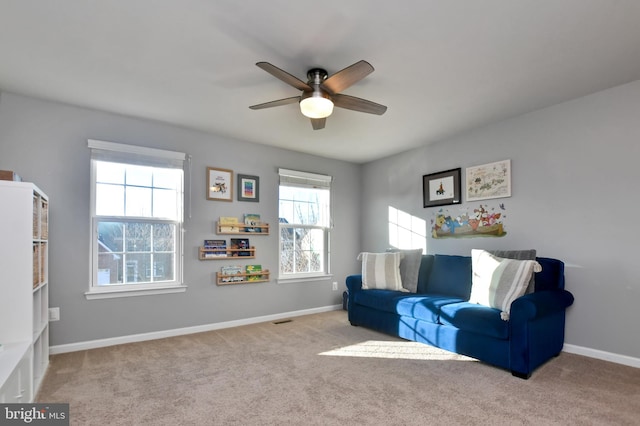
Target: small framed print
(441, 188)
(219, 184)
(248, 188)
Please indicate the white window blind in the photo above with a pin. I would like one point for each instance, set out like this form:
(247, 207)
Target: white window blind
(304, 179)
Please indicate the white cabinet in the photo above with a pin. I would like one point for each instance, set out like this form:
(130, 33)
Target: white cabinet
(24, 290)
(17, 383)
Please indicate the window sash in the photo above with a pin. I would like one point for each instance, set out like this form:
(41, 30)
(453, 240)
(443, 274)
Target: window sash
(320, 207)
(147, 200)
(321, 252)
(124, 254)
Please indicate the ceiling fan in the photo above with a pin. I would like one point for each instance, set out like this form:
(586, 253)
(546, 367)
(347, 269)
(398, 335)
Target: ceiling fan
(321, 92)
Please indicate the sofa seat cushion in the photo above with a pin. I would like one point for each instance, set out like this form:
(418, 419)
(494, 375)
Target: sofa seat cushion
(425, 308)
(422, 307)
(475, 319)
(382, 300)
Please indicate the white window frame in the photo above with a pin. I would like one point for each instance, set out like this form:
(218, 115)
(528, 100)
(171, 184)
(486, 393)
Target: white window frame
(135, 155)
(306, 180)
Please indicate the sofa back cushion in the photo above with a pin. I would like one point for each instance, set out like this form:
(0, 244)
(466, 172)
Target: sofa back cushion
(550, 278)
(450, 275)
(425, 271)
(552, 275)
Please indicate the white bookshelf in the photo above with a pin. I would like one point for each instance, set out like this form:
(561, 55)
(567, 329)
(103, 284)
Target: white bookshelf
(24, 290)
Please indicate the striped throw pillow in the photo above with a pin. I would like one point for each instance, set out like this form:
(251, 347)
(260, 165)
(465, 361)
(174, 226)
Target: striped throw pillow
(497, 282)
(381, 271)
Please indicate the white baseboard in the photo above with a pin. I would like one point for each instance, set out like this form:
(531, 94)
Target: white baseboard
(101, 343)
(606, 356)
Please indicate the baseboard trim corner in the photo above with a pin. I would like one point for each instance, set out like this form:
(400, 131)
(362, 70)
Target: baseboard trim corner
(101, 343)
(603, 355)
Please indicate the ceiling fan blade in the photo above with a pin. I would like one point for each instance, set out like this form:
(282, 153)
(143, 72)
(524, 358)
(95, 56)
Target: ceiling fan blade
(358, 104)
(279, 102)
(284, 76)
(318, 123)
(346, 77)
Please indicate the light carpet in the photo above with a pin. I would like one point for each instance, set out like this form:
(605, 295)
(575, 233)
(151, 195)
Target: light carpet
(319, 370)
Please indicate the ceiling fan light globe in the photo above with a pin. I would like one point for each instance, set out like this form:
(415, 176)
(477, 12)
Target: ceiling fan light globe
(316, 107)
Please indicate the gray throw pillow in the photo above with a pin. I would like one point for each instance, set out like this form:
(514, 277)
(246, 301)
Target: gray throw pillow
(519, 255)
(409, 267)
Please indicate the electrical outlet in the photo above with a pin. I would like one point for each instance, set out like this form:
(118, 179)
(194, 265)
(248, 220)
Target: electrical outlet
(54, 314)
(335, 285)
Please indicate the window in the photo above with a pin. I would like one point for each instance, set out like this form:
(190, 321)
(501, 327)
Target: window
(136, 220)
(305, 223)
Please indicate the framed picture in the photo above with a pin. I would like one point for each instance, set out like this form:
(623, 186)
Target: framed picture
(248, 188)
(487, 181)
(442, 188)
(219, 184)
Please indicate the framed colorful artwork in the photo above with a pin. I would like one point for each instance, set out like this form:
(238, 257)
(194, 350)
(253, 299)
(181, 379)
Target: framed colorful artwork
(248, 188)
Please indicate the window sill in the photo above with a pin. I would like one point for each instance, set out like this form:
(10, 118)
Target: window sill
(110, 293)
(288, 280)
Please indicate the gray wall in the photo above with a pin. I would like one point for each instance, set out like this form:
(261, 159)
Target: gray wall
(574, 198)
(575, 194)
(46, 143)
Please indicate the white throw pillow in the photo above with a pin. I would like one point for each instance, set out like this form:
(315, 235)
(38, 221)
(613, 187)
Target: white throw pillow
(497, 282)
(381, 271)
(519, 255)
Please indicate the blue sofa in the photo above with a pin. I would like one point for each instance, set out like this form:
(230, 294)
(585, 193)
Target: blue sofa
(440, 315)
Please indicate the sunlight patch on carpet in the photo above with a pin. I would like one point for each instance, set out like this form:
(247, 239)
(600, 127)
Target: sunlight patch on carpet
(396, 350)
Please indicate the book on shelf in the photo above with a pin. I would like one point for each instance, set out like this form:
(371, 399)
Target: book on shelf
(220, 247)
(230, 274)
(255, 270)
(214, 244)
(229, 224)
(239, 245)
(212, 254)
(252, 219)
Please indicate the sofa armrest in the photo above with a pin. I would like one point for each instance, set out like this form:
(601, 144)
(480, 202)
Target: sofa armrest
(354, 283)
(540, 304)
(537, 329)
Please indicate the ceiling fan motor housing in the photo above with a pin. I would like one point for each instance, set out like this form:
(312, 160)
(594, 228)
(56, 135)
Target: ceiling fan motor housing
(316, 76)
(320, 104)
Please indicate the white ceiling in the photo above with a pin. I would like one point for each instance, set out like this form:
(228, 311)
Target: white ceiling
(442, 66)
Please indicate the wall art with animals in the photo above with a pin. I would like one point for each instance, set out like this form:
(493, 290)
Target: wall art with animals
(480, 221)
